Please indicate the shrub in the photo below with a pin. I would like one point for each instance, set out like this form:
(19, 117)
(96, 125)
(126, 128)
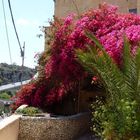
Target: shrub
(31, 111)
(1, 110)
(5, 96)
(59, 71)
(118, 117)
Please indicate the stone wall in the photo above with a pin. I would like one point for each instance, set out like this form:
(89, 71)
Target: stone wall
(65, 7)
(138, 6)
(54, 128)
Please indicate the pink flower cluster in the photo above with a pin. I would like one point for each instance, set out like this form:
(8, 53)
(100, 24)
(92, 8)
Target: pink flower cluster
(109, 27)
(61, 70)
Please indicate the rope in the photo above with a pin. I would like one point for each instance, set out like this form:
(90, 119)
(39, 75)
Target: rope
(15, 28)
(7, 36)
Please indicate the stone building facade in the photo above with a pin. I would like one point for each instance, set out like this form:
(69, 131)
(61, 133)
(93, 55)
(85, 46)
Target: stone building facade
(65, 7)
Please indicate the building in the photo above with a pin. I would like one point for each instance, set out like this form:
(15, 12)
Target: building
(65, 7)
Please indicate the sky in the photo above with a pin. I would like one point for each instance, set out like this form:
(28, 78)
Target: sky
(29, 16)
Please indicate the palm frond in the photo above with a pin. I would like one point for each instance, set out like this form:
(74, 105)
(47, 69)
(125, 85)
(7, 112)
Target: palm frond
(125, 82)
(131, 69)
(122, 85)
(105, 67)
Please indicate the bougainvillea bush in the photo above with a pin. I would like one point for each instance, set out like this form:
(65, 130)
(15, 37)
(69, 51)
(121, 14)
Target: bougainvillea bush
(59, 72)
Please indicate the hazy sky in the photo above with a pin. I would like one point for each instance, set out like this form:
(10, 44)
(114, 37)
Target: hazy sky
(28, 15)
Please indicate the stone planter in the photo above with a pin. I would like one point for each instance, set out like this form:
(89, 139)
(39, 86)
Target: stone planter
(54, 128)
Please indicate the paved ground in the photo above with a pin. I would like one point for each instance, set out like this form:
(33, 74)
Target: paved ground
(88, 137)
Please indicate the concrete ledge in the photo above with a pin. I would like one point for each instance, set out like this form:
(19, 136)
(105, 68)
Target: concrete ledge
(9, 128)
(54, 128)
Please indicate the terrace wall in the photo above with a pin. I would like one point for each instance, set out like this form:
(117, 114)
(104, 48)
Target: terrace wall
(65, 7)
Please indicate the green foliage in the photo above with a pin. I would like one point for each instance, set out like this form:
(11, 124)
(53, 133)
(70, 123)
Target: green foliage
(5, 96)
(1, 110)
(12, 73)
(118, 117)
(31, 111)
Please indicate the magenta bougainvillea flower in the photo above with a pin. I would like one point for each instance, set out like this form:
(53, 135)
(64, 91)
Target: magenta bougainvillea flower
(61, 71)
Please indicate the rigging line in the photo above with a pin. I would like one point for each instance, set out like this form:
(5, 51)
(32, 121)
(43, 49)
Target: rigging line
(15, 28)
(21, 50)
(8, 42)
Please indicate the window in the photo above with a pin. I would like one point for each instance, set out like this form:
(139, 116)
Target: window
(133, 11)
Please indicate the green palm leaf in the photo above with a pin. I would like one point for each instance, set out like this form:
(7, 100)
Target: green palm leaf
(104, 66)
(122, 86)
(117, 82)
